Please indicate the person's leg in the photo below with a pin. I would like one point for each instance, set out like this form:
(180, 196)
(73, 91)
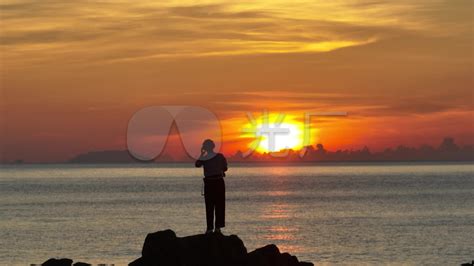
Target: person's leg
(220, 204)
(209, 207)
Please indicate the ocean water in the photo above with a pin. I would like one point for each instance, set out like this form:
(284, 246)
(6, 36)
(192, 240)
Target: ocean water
(327, 214)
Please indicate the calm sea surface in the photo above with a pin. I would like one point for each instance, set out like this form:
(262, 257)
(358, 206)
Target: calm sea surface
(334, 214)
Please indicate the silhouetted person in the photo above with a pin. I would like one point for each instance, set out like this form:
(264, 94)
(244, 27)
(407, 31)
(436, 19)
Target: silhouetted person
(215, 166)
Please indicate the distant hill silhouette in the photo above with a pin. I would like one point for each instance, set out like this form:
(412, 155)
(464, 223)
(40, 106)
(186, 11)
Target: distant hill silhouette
(448, 150)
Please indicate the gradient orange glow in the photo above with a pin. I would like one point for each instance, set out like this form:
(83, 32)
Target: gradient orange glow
(74, 72)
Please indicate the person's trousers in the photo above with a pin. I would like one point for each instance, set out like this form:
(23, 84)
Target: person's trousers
(214, 197)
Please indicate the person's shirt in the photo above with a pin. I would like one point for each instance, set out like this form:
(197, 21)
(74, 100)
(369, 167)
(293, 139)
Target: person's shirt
(214, 167)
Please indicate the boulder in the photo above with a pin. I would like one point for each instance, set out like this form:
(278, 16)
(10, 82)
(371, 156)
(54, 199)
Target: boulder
(165, 248)
(63, 262)
(270, 256)
(57, 262)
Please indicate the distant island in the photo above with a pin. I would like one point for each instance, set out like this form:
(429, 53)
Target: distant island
(448, 150)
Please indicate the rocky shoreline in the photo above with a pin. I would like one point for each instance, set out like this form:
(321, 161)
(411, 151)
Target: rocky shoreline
(164, 248)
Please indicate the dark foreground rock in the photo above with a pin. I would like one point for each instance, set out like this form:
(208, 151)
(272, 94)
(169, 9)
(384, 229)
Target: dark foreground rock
(165, 248)
(63, 262)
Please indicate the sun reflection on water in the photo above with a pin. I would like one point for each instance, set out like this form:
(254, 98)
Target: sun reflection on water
(280, 229)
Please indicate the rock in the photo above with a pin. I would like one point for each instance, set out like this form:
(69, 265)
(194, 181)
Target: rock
(265, 256)
(63, 262)
(81, 264)
(57, 262)
(137, 262)
(287, 259)
(164, 248)
(161, 247)
(270, 256)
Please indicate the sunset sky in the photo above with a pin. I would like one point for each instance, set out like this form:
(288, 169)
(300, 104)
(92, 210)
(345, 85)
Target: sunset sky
(74, 72)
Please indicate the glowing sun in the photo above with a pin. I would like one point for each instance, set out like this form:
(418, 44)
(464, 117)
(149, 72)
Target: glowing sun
(274, 133)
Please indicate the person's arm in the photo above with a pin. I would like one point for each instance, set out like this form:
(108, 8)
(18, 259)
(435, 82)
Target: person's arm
(199, 162)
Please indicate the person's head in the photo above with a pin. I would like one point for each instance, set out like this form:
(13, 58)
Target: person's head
(208, 145)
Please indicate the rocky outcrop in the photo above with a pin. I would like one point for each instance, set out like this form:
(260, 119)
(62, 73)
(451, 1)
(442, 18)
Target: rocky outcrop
(63, 262)
(270, 255)
(165, 248)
